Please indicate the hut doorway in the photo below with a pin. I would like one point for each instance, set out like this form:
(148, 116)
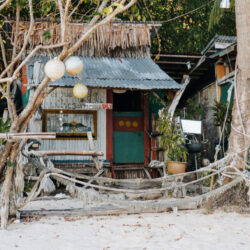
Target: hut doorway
(128, 128)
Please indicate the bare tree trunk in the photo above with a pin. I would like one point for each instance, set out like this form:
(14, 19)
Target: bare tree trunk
(178, 95)
(239, 142)
(5, 198)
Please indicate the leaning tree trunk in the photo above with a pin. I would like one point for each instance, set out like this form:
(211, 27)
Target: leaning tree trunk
(239, 138)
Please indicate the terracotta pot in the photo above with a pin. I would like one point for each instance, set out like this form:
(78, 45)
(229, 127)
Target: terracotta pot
(175, 167)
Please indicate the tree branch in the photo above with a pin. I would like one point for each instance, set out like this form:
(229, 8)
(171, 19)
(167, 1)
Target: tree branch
(3, 51)
(16, 37)
(26, 40)
(45, 47)
(178, 95)
(4, 4)
(76, 7)
(62, 20)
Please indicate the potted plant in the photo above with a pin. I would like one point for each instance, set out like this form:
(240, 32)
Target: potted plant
(174, 145)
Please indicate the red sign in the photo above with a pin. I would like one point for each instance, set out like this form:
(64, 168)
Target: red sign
(96, 106)
(107, 106)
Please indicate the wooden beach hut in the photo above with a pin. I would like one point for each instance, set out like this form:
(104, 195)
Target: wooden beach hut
(119, 74)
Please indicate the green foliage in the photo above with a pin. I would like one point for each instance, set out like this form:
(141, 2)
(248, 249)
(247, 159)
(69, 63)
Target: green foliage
(165, 95)
(28, 187)
(4, 128)
(217, 13)
(172, 140)
(191, 111)
(187, 34)
(220, 110)
(47, 35)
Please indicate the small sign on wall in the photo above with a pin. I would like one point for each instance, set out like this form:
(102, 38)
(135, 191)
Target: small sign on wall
(96, 106)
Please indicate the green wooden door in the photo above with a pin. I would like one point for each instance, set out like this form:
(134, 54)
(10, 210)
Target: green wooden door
(128, 137)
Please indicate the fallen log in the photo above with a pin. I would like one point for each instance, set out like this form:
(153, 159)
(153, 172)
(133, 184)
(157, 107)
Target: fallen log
(134, 207)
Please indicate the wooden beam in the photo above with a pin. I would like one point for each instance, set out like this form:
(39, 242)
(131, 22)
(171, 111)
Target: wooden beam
(173, 62)
(67, 152)
(20, 136)
(180, 67)
(92, 147)
(146, 128)
(179, 56)
(182, 72)
(180, 78)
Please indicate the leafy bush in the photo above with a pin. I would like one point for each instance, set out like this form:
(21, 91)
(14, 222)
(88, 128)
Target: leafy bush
(193, 111)
(172, 140)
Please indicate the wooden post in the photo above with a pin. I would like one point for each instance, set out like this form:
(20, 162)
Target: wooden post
(154, 139)
(146, 128)
(92, 148)
(109, 132)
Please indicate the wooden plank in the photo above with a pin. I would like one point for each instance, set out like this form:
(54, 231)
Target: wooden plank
(19, 136)
(67, 152)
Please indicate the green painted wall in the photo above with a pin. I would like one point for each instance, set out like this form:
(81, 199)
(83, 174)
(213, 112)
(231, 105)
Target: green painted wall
(224, 88)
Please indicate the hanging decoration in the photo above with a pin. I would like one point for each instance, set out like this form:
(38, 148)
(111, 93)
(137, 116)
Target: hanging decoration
(80, 90)
(54, 69)
(74, 65)
(225, 4)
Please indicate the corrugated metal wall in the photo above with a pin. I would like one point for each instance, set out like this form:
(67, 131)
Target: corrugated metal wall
(62, 98)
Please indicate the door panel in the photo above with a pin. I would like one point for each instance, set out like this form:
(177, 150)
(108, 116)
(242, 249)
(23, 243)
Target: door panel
(128, 137)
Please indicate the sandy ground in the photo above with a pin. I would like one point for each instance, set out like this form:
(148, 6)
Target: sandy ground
(184, 230)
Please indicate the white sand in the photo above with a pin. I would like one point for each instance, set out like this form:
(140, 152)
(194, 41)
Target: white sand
(186, 230)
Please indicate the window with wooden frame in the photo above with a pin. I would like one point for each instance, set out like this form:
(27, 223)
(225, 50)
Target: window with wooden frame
(70, 124)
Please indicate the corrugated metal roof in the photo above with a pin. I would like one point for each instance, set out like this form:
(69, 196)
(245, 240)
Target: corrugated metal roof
(129, 73)
(228, 49)
(219, 39)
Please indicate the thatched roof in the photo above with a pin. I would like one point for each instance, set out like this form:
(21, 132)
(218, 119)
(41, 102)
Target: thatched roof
(114, 39)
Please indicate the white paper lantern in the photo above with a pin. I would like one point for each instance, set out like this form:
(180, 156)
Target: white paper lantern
(80, 90)
(74, 65)
(54, 69)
